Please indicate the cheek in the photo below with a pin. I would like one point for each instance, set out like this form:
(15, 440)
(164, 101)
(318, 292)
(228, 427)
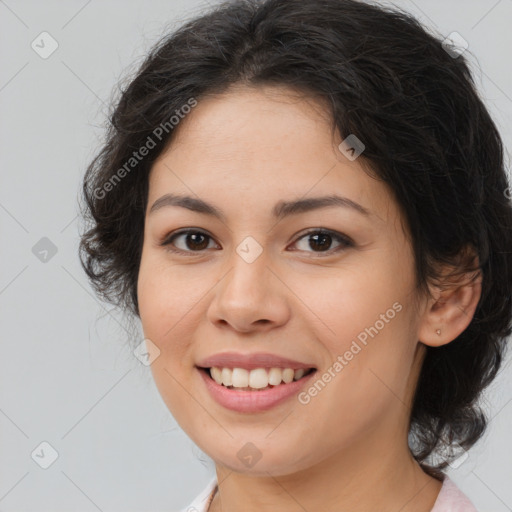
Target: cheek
(349, 301)
(164, 308)
(165, 294)
(365, 326)
(367, 384)
(167, 317)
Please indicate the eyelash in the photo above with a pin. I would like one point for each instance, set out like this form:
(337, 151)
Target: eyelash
(344, 240)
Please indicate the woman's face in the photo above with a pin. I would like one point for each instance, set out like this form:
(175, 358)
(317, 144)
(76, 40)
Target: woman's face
(262, 288)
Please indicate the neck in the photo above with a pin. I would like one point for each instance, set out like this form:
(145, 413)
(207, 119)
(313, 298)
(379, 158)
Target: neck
(348, 481)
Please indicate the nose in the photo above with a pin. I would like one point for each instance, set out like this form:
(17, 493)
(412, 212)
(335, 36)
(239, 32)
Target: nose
(250, 297)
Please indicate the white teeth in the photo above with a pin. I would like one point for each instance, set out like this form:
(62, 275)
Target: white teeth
(287, 375)
(298, 374)
(259, 378)
(240, 378)
(275, 376)
(216, 375)
(226, 377)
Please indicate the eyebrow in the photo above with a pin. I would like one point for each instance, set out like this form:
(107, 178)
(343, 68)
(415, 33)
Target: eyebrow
(281, 209)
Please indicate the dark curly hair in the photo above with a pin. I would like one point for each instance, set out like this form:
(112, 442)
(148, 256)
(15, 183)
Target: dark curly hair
(427, 133)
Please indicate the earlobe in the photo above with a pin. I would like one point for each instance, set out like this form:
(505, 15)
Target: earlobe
(450, 312)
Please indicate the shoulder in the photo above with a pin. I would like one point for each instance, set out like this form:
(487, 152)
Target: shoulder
(452, 499)
(203, 499)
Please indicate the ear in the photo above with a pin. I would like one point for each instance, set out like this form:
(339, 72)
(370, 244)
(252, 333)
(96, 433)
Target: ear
(452, 306)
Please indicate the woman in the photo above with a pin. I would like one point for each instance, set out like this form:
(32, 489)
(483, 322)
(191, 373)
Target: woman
(305, 204)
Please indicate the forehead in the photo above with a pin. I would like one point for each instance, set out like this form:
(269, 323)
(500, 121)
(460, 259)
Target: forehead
(253, 125)
(267, 143)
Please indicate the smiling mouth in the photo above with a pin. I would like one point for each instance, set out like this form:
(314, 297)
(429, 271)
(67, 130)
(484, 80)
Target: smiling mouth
(257, 379)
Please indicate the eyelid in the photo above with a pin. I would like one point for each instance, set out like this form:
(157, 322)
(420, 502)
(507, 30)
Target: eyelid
(166, 242)
(344, 240)
(336, 235)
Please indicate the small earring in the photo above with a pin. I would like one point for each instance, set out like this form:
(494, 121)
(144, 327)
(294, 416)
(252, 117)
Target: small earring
(438, 332)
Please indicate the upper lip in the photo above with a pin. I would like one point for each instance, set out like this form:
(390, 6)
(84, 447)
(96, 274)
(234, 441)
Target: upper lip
(251, 361)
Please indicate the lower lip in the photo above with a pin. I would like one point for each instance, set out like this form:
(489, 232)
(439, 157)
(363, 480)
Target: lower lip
(253, 401)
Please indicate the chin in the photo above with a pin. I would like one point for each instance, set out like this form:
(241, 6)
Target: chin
(250, 460)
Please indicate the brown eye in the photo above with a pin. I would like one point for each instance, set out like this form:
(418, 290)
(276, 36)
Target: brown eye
(191, 241)
(322, 240)
(317, 241)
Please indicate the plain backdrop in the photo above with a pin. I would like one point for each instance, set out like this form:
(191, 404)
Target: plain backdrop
(68, 378)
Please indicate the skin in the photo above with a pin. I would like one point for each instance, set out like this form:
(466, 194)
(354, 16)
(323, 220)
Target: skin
(345, 450)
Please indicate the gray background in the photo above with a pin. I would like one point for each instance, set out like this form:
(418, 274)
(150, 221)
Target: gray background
(67, 375)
